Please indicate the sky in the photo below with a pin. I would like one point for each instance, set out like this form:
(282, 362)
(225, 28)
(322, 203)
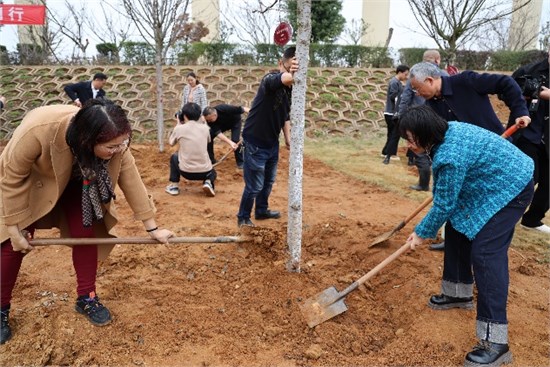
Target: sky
(401, 20)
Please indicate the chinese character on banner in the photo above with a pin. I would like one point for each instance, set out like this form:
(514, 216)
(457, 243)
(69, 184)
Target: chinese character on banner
(22, 14)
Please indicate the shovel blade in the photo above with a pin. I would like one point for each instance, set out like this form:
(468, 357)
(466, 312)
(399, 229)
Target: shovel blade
(323, 306)
(382, 238)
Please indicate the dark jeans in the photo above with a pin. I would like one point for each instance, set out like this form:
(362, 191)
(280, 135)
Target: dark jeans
(487, 255)
(390, 123)
(393, 140)
(235, 137)
(175, 172)
(260, 170)
(539, 206)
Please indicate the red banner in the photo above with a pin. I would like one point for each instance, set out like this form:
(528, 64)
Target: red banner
(22, 14)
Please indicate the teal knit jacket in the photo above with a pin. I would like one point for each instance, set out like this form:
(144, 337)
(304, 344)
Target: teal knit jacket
(475, 174)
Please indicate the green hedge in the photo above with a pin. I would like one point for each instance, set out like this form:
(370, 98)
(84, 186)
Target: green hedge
(478, 60)
(328, 55)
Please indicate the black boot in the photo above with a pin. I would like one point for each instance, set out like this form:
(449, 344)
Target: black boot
(423, 180)
(487, 354)
(5, 330)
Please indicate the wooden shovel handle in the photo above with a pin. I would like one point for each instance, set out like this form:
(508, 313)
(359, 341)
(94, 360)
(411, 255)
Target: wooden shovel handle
(375, 270)
(130, 240)
(418, 209)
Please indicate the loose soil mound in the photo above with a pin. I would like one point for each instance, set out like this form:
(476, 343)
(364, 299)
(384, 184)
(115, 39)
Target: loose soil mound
(235, 304)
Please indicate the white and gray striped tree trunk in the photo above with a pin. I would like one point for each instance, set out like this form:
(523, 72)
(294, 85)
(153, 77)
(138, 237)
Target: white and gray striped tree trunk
(297, 119)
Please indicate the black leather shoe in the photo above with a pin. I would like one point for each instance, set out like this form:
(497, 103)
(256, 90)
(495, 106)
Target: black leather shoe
(269, 214)
(443, 302)
(487, 354)
(5, 330)
(386, 160)
(245, 222)
(419, 188)
(438, 246)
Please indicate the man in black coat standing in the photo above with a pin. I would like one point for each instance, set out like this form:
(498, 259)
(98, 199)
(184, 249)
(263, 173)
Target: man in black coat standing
(83, 91)
(533, 140)
(222, 118)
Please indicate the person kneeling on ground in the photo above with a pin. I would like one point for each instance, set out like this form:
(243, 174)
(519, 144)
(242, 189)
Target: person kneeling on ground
(191, 161)
(481, 199)
(60, 169)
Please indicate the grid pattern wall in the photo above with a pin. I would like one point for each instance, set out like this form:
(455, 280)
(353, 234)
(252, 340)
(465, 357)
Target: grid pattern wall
(339, 101)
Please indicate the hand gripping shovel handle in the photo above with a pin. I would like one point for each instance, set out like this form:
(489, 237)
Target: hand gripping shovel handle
(374, 271)
(226, 154)
(131, 240)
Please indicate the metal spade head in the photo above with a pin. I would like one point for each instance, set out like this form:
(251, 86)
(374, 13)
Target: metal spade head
(382, 237)
(323, 306)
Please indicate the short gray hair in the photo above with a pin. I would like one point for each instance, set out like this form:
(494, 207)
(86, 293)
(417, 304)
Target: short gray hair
(423, 70)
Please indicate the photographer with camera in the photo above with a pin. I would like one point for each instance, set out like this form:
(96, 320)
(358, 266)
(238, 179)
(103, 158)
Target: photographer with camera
(533, 140)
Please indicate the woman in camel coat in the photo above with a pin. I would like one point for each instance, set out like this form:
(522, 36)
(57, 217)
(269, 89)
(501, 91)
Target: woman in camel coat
(60, 169)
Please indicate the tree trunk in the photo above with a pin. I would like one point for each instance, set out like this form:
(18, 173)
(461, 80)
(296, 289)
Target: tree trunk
(160, 109)
(297, 119)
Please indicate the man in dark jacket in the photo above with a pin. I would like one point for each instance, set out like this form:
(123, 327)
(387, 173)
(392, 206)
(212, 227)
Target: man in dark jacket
(222, 118)
(83, 91)
(269, 114)
(533, 140)
(465, 96)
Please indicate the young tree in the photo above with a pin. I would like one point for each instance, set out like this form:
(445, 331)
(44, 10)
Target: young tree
(355, 30)
(250, 25)
(158, 22)
(116, 29)
(327, 22)
(297, 119)
(72, 24)
(452, 23)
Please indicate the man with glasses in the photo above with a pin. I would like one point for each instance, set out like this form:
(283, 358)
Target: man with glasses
(465, 96)
(269, 114)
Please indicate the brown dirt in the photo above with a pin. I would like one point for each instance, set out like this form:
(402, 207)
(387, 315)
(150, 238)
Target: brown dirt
(235, 304)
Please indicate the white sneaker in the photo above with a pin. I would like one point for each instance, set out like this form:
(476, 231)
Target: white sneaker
(395, 158)
(543, 228)
(172, 189)
(208, 189)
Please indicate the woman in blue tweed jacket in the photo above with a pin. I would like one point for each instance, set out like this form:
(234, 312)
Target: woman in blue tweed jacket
(482, 186)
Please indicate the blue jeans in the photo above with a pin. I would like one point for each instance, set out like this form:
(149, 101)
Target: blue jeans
(487, 255)
(259, 171)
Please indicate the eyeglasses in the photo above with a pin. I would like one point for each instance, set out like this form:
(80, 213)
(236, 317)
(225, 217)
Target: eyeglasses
(112, 149)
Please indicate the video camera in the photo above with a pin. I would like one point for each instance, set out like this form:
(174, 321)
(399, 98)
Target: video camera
(530, 88)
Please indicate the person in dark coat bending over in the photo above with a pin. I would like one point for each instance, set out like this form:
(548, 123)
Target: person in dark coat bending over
(222, 118)
(465, 97)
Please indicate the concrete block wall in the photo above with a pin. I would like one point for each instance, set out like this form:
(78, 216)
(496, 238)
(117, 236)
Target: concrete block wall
(339, 101)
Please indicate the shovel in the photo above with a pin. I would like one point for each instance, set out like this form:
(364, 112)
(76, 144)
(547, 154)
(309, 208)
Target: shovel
(131, 240)
(381, 238)
(385, 236)
(226, 154)
(330, 302)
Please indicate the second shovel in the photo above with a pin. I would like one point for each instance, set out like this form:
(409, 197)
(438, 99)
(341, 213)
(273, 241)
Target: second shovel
(404, 222)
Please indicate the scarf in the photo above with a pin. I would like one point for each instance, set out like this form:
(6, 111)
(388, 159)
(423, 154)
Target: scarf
(97, 188)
